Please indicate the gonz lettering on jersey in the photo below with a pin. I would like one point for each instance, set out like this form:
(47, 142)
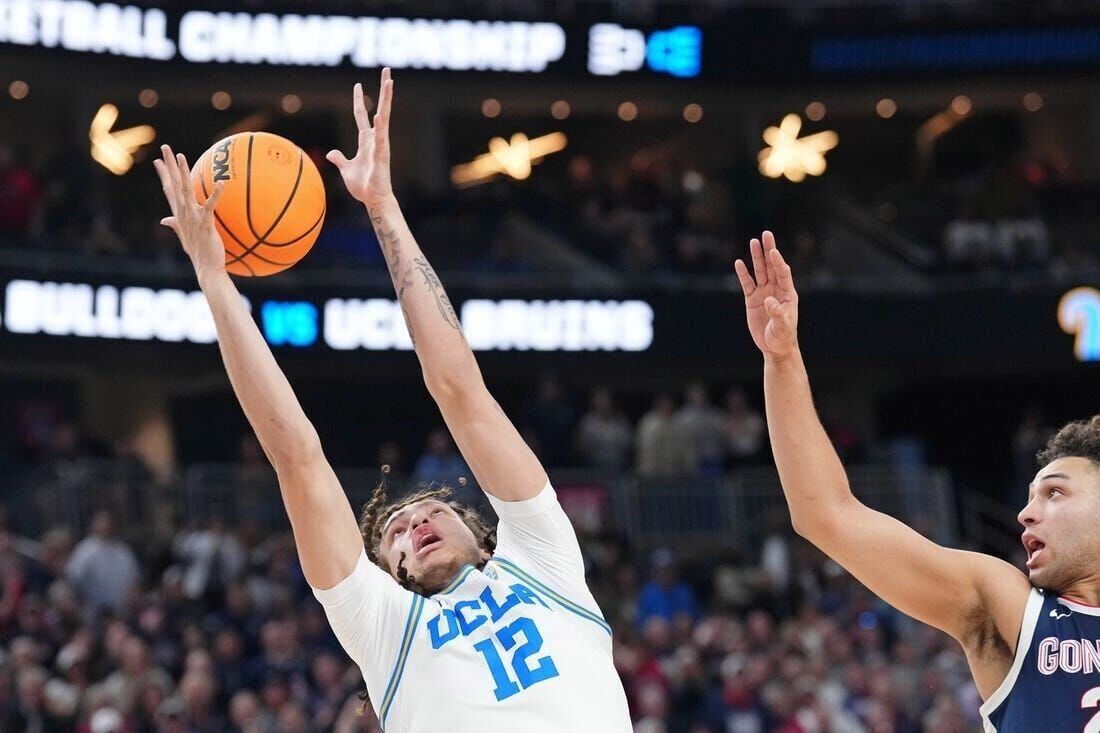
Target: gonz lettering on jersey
(1068, 655)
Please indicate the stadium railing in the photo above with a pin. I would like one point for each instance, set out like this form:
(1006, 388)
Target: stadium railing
(691, 514)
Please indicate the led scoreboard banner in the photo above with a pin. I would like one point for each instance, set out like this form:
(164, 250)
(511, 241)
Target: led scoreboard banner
(173, 315)
(741, 45)
(1047, 325)
(232, 37)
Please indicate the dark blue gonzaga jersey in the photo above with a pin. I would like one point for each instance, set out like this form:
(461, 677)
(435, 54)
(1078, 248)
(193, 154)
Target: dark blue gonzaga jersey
(1054, 683)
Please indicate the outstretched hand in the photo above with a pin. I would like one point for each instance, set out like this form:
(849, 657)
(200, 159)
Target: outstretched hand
(771, 303)
(192, 222)
(367, 175)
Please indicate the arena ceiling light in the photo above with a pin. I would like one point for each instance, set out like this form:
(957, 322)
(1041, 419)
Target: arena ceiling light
(791, 156)
(513, 158)
(115, 150)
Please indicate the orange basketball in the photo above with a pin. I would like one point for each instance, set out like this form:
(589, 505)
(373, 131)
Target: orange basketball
(271, 210)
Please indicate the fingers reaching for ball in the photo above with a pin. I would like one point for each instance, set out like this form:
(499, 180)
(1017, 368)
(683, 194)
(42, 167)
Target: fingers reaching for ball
(382, 118)
(367, 175)
(212, 200)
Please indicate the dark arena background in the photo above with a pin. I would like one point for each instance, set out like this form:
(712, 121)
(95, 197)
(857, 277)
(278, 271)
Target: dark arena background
(582, 174)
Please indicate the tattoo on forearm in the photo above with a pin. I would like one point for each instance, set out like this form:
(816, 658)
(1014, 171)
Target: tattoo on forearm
(408, 325)
(436, 287)
(390, 242)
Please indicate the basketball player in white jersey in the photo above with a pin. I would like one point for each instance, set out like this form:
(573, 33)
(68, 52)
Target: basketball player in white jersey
(452, 628)
(1032, 642)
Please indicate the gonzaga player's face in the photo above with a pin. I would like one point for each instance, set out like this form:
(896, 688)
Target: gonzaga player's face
(1060, 525)
(431, 542)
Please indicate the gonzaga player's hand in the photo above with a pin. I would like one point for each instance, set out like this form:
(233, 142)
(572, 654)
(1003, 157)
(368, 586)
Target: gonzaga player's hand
(192, 222)
(771, 303)
(367, 175)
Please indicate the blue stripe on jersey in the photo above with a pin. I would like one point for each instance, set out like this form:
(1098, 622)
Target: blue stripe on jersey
(561, 600)
(453, 585)
(402, 656)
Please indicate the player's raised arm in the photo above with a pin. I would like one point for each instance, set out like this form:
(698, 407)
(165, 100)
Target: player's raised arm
(500, 459)
(325, 529)
(949, 589)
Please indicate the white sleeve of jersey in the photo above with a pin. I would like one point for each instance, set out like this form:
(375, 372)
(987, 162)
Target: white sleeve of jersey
(537, 535)
(367, 611)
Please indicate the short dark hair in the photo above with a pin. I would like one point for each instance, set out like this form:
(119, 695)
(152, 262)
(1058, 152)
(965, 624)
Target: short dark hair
(377, 511)
(1080, 439)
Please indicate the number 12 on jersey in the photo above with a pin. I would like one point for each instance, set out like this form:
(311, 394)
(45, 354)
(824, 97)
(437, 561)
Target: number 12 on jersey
(525, 674)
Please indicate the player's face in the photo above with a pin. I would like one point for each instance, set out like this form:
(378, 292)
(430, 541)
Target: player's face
(1063, 546)
(431, 542)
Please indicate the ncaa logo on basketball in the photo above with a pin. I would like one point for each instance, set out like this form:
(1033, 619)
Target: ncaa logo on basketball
(219, 160)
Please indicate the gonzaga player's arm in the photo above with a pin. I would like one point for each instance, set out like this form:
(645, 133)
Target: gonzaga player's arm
(975, 598)
(325, 530)
(532, 521)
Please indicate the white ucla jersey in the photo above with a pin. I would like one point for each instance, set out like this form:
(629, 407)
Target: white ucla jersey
(517, 646)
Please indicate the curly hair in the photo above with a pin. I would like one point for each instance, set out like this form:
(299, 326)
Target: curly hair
(377, 511)
(1079, 439)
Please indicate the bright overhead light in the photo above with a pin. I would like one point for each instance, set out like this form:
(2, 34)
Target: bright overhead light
(961, 105)
(115, 150)
(791, 156)
(693, 113)
(291, 103)
(490, 108)
(511, 157)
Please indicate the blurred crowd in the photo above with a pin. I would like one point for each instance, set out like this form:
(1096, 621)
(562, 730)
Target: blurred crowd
(648, 214)
(217, 631)
(690, 437)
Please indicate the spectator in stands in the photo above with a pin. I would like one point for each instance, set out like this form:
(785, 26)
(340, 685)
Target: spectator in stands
(247, 715)
(107, 720)
(704, 425)
(604, 436)
(124, 686)
(328, 690)
(197, 693)
(20, 197)
(663, 446)
(13, 581)
(1075, 263)
(440, 462)
(103, 568)
(745, 430)
(212, 557)
(551, 419)
(665, 595)
(389, 453)
(30, 711)
(1029, 438)
(807, 260)
(640, 253)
